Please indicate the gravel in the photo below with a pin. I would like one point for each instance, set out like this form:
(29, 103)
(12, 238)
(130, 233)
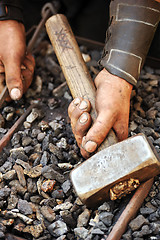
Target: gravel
(37, 200)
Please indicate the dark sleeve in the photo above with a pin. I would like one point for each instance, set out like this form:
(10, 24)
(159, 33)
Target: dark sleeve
(129, 36)
(11, 10)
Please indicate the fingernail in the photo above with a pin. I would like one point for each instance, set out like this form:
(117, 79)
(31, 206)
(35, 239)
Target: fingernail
(83, 105)
(15, 94)
(90, 146)
(76, 101)
(83, 118)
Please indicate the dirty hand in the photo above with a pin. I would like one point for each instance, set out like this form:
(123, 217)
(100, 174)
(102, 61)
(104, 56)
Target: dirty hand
(112, 106)
(17, 67)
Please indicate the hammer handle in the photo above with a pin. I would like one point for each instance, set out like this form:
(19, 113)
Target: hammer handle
(73, 65)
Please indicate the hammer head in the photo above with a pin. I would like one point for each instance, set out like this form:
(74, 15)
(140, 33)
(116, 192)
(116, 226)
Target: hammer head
(134, 158)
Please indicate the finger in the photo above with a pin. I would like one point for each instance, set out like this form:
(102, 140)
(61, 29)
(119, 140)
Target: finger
(30, 57)
(2, 69)
(13, 79)
(83, 106)
(98, 131)
(27, 73)
(29, 63)
(73, 105)
(82, 126)
(121, 129)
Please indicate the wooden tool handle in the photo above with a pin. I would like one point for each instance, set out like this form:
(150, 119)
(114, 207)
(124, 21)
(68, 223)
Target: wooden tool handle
(73, 65)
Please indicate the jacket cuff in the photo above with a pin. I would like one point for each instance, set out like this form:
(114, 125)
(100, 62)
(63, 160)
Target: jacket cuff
(129, 36)
(11, 10)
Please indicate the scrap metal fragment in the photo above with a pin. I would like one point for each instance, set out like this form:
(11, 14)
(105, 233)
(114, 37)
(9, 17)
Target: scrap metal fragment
(123, 188)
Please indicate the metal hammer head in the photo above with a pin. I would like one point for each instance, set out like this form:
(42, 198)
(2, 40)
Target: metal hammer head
(134, 158)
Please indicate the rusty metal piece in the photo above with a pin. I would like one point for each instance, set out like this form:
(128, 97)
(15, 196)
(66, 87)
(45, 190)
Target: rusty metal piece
(8, 135)
(47, 186)
(121, 189)
(130, 210)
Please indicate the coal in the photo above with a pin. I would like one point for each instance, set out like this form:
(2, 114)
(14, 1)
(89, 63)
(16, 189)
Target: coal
(37, 199)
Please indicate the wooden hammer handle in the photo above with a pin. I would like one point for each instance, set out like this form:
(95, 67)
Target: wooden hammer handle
(73, 65)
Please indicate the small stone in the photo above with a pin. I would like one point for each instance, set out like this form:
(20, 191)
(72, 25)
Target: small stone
(66, 186)
(12, 201)
(104, 207)
(36, 199)
(18, 154)
(146, 211)
(26, 141)
(127, 235)
(106, 218)
(35, 230)
(57, 127)
(47, 186)
(81, 232)
(45, 158)
(65, 166)
(9, 116)
(62, 143)
(43, 125)
(34, 157)
(57, 194)
(32, 117)
(48, 213)
(55, 150)
(34, 172)
(97, 231)
(138, 222)
(83, 218)
(57, 228)
(15, 139)
(31, 185)
(2, 236)
(68, 219)
(49, 173)
(63, 206)
(41, 136)
(23, 164)
(20, 174)
(10, 175)
(27, 125)
(19, 188)
(2, 121)
(4, 193)
(86, 57)
(19, 227)
(24, 207)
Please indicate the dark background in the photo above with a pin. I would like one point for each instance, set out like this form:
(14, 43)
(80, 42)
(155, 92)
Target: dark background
(88, 18)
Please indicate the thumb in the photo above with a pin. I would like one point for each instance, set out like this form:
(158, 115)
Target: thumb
(14, 79)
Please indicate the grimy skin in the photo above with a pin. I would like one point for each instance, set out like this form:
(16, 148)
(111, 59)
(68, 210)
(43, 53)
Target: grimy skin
(15, 64)
(112, 105)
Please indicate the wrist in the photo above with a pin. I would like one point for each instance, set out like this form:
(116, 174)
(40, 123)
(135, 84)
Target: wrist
(105, 77)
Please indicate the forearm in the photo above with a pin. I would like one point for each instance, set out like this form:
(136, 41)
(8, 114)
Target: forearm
(11, 10)
(132, 28)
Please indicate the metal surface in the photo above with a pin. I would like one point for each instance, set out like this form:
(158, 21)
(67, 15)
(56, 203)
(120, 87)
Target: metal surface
(132, 158)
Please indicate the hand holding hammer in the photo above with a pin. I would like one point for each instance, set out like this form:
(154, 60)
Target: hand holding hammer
(116, 165)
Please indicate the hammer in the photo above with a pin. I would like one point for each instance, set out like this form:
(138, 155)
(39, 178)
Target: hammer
(117, 168)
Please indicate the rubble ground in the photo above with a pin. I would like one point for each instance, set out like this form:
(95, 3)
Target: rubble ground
(37, 200)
